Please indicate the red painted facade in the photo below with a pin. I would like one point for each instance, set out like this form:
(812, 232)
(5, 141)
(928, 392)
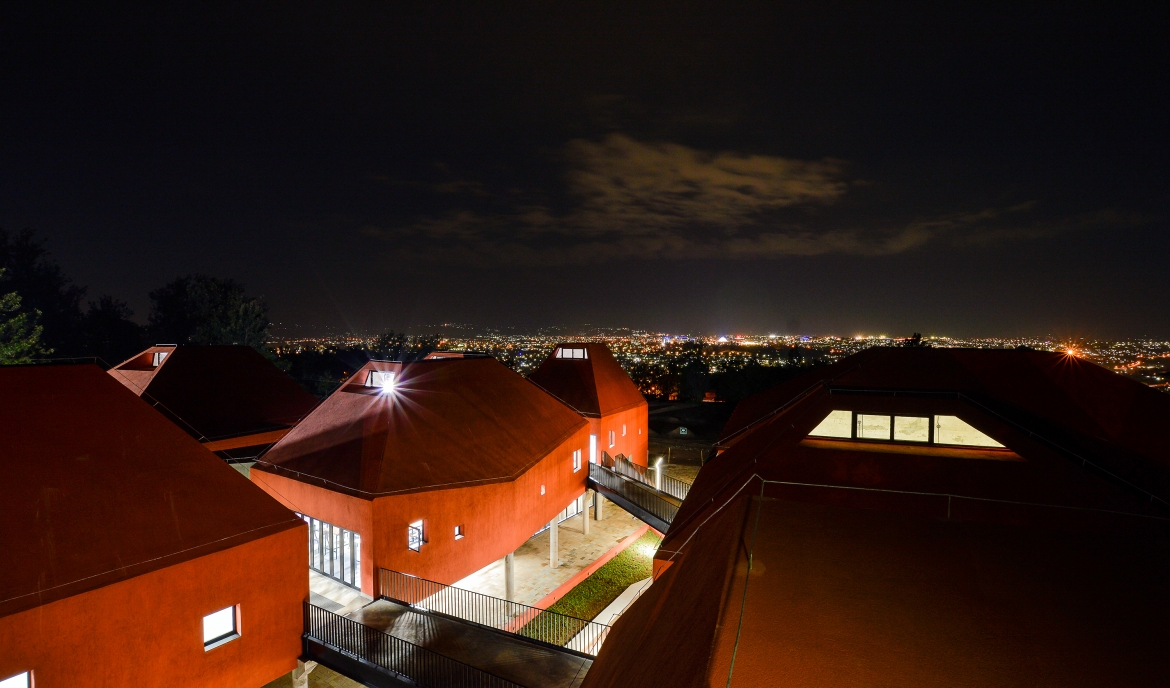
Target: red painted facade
(595, 386)
(120, 534)
(459, 442)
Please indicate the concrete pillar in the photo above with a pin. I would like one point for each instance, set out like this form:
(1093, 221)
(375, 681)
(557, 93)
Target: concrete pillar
(585, 513)
(510, 576)
(597, 512)
(300, 675)
(554, 559)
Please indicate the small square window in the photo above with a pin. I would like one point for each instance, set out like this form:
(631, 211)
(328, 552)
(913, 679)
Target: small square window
(219, 627)
(18, 681)
(458, 532)
(414, 536)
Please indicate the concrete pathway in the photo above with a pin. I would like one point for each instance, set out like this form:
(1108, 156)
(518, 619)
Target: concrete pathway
(534, 579)
(624, 600)
(333, 596)
(321, 677)
(496, 653)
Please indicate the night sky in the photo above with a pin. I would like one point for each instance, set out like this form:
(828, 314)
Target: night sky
(781, 167)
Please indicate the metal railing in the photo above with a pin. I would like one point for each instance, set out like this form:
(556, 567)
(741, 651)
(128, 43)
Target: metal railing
(639, 495)
(672, 486)
(534, 623)
(395, 655)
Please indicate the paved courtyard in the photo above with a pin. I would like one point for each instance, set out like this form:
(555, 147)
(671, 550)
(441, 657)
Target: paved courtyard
(321, 677)
(534, 578)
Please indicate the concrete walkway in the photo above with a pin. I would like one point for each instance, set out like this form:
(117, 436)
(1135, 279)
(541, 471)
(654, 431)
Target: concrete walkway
(534, 579)
(496, 653)
(333, 596)
(624, 600)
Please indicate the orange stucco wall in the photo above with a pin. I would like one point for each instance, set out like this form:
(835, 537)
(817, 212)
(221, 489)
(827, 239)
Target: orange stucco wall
(636, 442)
(148, 630)
(352, 513)
(497, 518)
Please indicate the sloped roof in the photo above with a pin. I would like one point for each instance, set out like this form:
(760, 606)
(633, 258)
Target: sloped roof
(216, 392)
(450, 422)
(99, 488)
(924, 568)
(594, 386)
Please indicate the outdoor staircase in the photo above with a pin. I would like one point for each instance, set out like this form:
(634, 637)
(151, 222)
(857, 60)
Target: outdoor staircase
(652, 500)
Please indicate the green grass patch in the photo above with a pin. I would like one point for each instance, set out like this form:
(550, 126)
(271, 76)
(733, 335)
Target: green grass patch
(595, 593)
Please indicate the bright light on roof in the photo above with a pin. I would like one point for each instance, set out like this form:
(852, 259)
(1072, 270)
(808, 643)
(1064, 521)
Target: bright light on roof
(378, 378)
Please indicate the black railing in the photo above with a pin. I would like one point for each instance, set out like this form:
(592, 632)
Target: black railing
(395, 655)
(672, 486)
(637, 494)
(534, 623)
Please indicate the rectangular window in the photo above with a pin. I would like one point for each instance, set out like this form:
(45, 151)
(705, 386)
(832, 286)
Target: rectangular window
(572, 353)
(911, 429)
(576, 460)
(458, 532)
(414, 536)
(612, 439)
(335, 552)
(953, 430)
(219, 627)
(836, 424)
(593, 449)
(155, 360)
(19, 681)
(377, 378)
(873, 427)
(623, 429)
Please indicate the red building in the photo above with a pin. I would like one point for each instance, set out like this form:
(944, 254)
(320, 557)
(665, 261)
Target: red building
(434, 468)
(588, 379)
(230, 398)
(132, 555)
(932, 517)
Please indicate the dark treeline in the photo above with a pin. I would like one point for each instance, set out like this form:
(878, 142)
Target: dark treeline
(321, 370)
(42, 315)
(695, 369)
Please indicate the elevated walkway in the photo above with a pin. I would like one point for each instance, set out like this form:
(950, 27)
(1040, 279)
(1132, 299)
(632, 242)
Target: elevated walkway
(630, 490)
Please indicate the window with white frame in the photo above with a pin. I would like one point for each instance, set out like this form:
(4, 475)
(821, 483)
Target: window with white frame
(924, 429)
(593, 449)
(572, 353)
(19, 681)
(381, 379)
(459, 532)
(155, 360)
(623, 429)
(414, 536)
(612, 439)
(576, 460)
(219, 627)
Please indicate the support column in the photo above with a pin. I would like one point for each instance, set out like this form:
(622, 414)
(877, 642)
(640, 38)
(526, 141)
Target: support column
(510, 576)
(597, 512)
(554, 558)
(300, 675)
(585, 513)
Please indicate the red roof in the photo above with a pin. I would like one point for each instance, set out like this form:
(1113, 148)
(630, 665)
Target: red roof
(216, 392)
(101, 488)
(1043, 563)
(449, 422)
(594, 386)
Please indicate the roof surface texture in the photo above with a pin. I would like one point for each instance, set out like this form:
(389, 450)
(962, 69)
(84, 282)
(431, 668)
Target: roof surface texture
(99, 488)
(216, 392)
(801, 563)
(594, 386)
(448, 422)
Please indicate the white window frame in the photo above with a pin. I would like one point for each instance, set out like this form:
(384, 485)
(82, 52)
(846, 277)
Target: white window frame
(572, 352)
(623, 429)
(459, 532)
(592, 448)
(576, 460)
(416, 535)
(223, 638)
(156, 360)
(21, 680)
(612, 439)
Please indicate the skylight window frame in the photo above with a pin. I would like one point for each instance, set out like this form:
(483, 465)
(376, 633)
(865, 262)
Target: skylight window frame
(932, 439)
